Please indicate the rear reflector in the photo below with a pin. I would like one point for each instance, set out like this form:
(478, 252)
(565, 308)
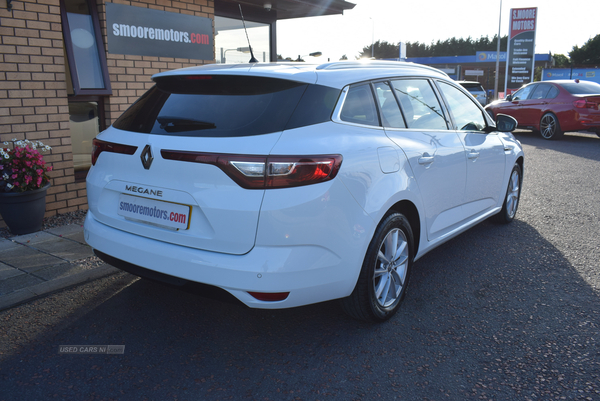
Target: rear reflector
(99, 146)
(266, 172)
(270, 296)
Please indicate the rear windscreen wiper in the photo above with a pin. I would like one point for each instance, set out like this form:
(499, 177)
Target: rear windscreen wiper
(177, 124)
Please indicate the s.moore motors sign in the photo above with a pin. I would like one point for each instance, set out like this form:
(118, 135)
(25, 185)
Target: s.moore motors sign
(521, 48)
(145, 32)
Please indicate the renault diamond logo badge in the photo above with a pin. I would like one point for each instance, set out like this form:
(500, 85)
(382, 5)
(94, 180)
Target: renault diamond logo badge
(147, 157)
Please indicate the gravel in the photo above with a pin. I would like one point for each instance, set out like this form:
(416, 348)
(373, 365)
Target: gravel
(59, 220)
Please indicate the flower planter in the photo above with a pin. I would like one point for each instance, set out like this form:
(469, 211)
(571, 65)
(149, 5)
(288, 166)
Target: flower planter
(23, 212)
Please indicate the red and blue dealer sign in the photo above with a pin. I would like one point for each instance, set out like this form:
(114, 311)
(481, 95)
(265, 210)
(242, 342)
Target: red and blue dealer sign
(521, 48)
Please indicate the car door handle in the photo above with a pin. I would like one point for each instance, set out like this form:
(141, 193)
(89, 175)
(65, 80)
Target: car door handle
(426, 160)
(473, 155)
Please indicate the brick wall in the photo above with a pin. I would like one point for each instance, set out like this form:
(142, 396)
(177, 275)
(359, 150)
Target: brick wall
(33, 91)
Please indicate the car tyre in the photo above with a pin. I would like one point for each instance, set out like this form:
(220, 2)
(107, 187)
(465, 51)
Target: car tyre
(385, 272)
(550, 127)
(513, 194)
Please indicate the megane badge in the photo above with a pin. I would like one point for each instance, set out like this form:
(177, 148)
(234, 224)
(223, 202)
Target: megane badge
(146, 157)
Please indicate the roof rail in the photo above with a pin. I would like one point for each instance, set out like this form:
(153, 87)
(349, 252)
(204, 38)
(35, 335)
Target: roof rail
(338, 65)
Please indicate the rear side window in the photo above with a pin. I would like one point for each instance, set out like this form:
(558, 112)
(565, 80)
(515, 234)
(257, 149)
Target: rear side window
(541, 91)
(359, 106)
(222, 106)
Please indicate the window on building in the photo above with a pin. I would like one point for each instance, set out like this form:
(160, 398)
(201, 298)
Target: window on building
(231, 44)
(87, 78)
(87, 73)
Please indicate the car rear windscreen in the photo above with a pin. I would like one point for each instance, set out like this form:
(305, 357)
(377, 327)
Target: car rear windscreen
(473, 87)
(582, 88)
(226, 106)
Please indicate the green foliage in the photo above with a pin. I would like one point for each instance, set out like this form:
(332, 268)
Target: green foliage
(561, 61)
(588, 54)
(382, 49)
(455, 47)
(448, 47)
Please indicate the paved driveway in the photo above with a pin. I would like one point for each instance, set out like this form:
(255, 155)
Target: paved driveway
(501, 312)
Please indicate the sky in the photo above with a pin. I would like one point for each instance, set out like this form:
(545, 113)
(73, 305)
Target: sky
(561, 25)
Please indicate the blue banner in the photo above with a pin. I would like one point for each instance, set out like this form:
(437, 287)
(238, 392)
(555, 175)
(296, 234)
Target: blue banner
(585, 74)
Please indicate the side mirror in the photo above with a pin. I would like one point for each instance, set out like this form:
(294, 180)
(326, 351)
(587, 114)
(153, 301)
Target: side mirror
(508, 98)
(505, 123)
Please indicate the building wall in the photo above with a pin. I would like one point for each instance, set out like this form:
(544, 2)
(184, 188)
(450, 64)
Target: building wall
(33, 90)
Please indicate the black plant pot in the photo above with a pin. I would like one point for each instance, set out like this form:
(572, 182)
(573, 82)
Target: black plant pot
(23, 212)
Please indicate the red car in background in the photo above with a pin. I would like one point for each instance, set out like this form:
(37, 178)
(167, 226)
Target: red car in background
(553, 107)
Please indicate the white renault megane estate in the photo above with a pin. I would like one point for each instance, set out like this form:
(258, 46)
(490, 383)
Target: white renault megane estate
(291, 184)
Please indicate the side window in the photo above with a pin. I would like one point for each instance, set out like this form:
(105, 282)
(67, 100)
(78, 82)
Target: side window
(522, 93)
(390, 111)
(419, 104)
(541, 91)
(359, 106)
(552, 93)
(467, 115)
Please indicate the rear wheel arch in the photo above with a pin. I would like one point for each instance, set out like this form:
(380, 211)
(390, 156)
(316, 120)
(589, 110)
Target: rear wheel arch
(409, 210)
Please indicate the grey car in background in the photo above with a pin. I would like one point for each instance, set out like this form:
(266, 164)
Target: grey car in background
(476, 90)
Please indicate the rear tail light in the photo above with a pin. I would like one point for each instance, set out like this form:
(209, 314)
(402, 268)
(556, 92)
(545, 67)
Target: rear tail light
(99, 146)
(266, 172)
(585, 104)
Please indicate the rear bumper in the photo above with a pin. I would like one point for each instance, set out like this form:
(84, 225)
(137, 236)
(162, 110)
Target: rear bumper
(310, 274)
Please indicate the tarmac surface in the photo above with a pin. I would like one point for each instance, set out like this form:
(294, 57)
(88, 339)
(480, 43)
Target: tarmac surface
(37, 264)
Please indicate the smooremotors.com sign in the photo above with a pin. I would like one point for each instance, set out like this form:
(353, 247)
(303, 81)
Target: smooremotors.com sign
(145, 32)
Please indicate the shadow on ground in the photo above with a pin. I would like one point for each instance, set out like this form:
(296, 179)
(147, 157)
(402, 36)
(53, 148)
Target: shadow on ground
(496, 313)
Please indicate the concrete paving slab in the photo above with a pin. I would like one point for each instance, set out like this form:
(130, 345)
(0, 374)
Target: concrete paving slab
(35, 291)
(9, 272)
(26, 257)
(56, 271)
(73, 232)
(8, 245)
(58, 246)
(17, 282)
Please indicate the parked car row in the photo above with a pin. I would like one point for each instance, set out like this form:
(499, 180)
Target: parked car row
(286, 184)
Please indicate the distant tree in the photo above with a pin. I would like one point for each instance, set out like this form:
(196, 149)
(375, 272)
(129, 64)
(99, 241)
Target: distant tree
(343, 58)
(537, 74)
(455, 47)
(561, 61)
(588, 54)
(382, 49)
(448, 47)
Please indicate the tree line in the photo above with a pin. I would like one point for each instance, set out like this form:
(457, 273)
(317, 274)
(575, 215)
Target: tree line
(586, 55)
